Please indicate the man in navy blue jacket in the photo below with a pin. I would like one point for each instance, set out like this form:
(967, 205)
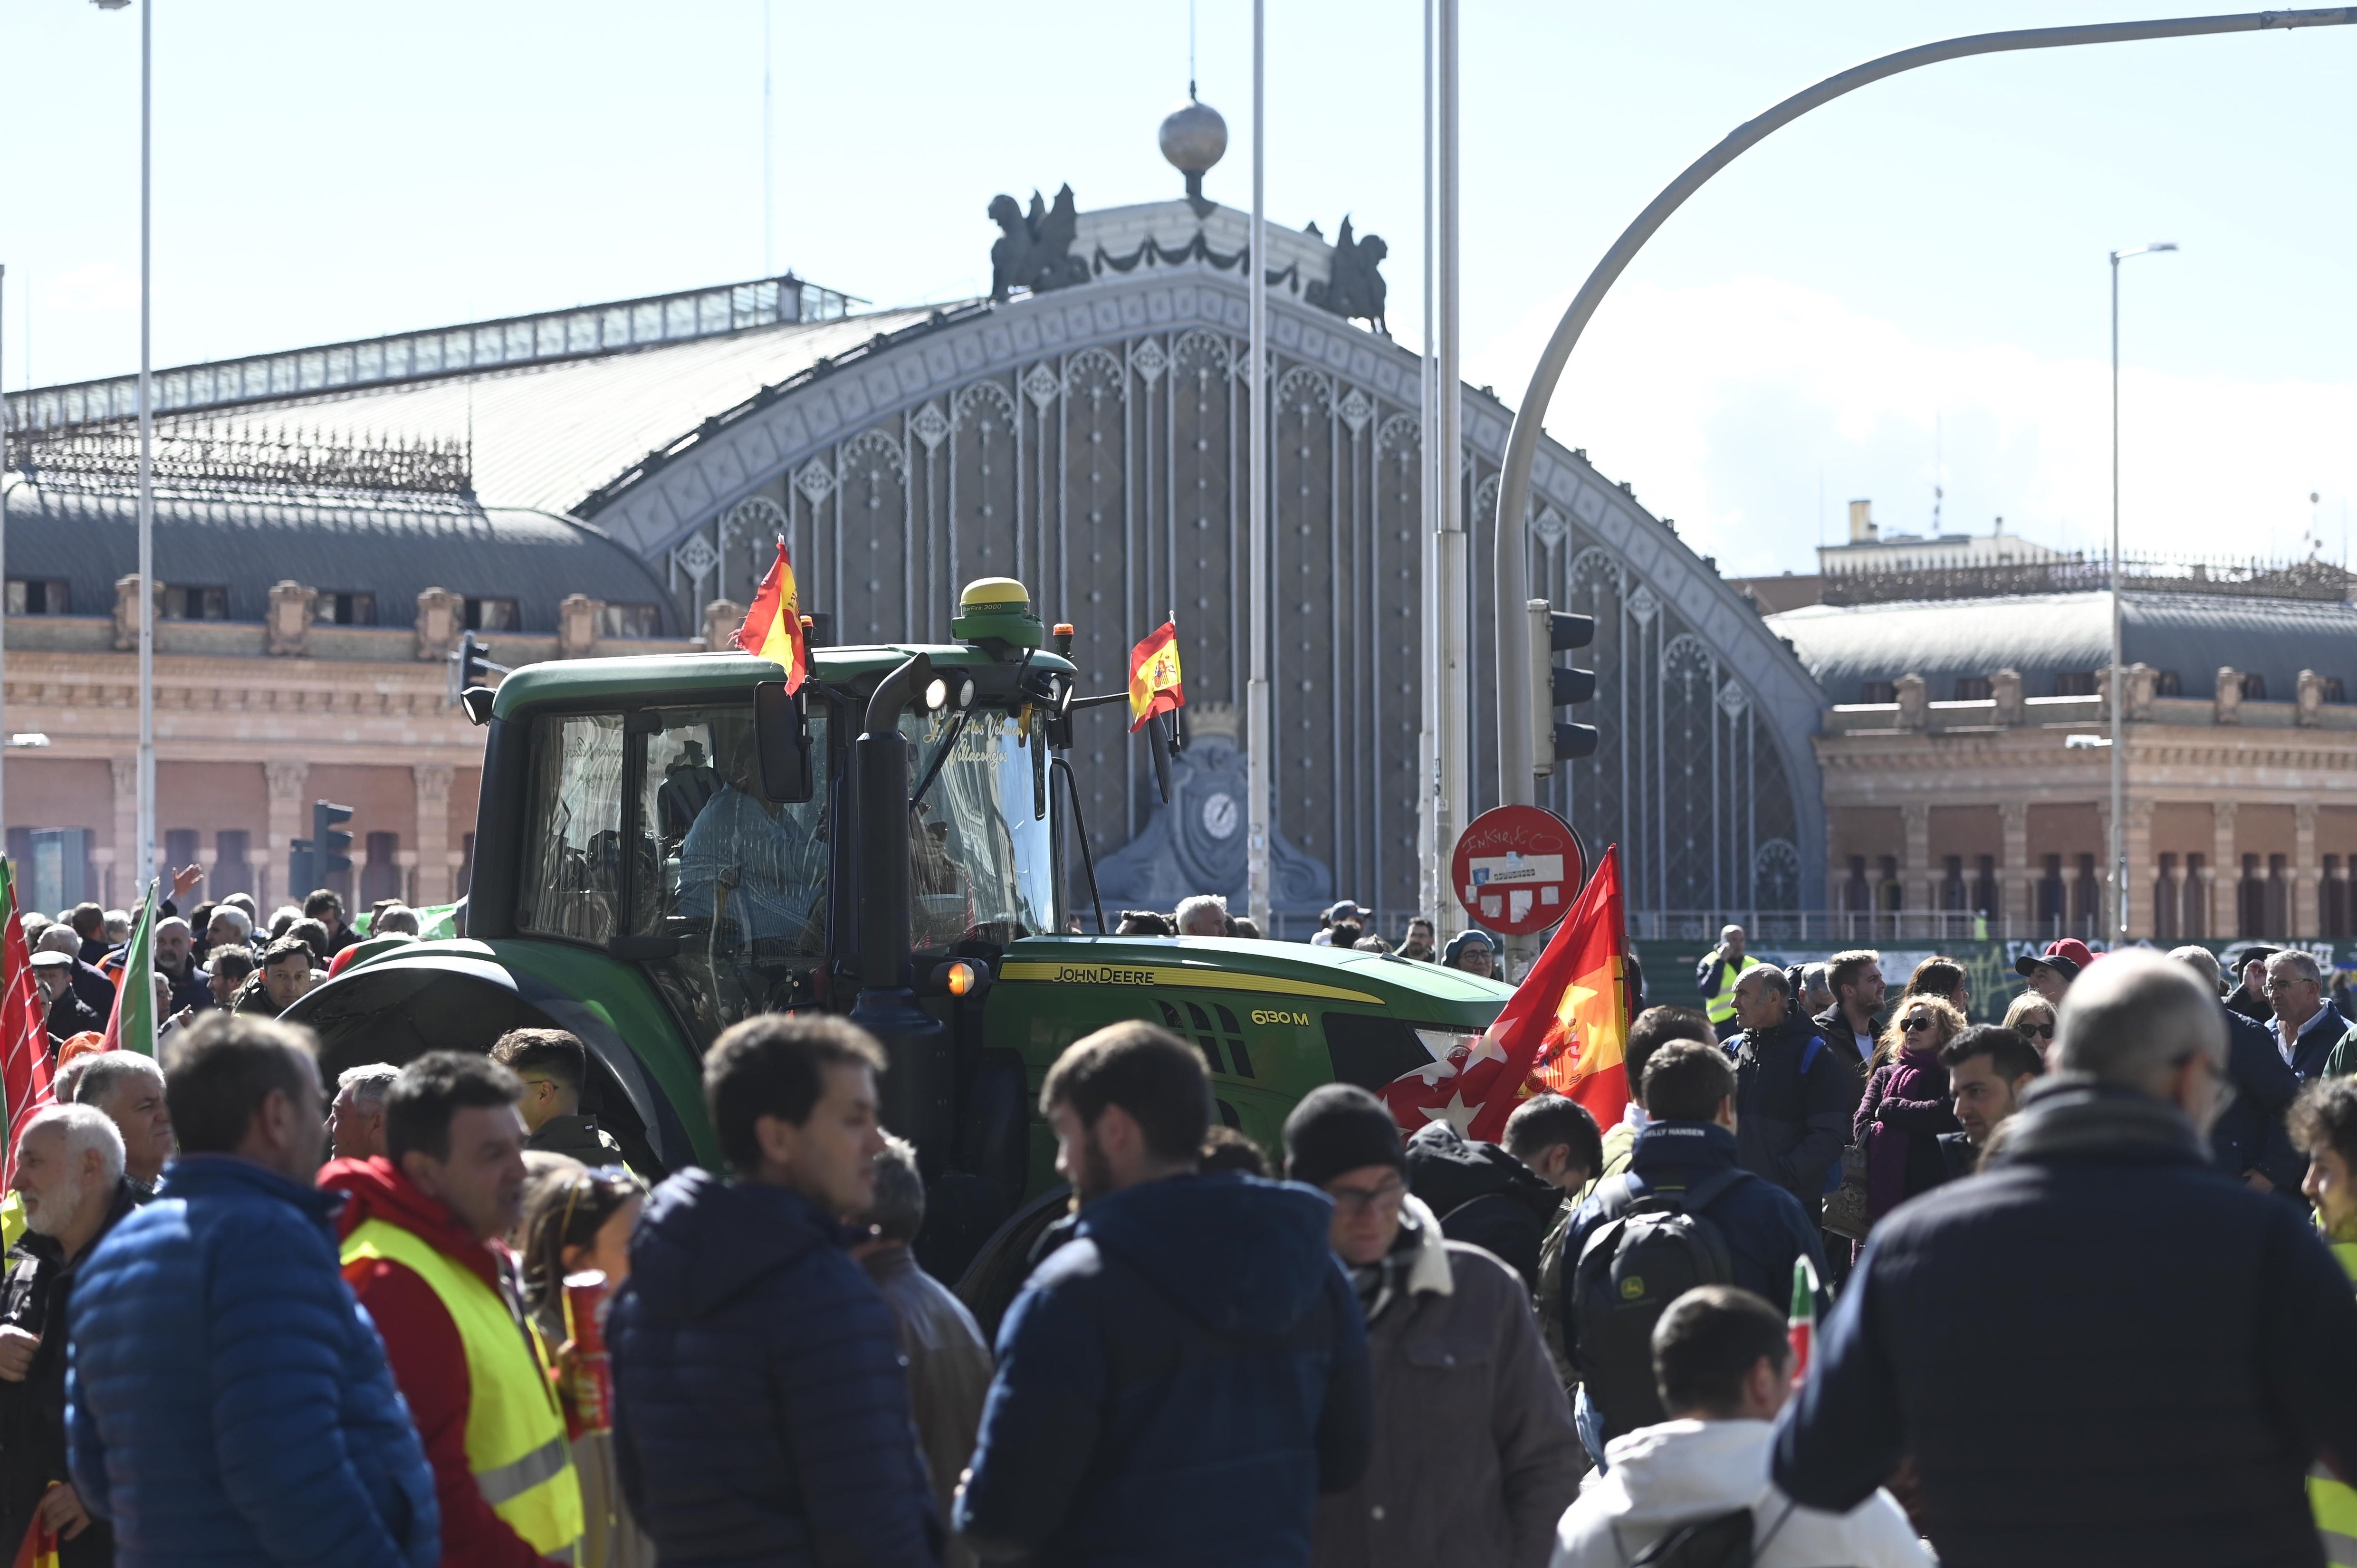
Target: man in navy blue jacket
(1690, 1093)
(761, 1414)
(228, 1400)
(2250, 1141)
(2100, 1349)
(1178, 1383)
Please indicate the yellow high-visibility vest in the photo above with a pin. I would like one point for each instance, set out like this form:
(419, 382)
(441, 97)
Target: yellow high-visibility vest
(516, 1446)
(2334, 1502)
(1719, 1006)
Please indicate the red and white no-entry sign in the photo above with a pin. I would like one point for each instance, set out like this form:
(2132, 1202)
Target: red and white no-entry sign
(1517, 869)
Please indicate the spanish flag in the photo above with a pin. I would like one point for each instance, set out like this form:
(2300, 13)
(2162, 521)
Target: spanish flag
(773, 627)
(1154, 677)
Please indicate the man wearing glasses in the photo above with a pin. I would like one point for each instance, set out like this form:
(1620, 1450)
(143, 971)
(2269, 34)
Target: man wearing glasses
(2306, 1026)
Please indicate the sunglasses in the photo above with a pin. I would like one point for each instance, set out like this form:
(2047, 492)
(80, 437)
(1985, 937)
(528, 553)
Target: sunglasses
(2039, 1031)
(1911, 1025)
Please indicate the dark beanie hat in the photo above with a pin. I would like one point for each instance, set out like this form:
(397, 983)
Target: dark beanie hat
(1340, 1127)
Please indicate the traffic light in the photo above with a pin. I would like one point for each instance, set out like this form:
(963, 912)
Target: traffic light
(331, 847)
(1554, 631)
(302, 867)
(470, 672)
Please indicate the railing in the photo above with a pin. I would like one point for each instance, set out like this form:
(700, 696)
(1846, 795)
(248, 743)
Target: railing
(1837, 928)
(579, 333)
(2306, 579)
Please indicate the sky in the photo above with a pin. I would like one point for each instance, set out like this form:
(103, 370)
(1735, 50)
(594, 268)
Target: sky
(1906, 290)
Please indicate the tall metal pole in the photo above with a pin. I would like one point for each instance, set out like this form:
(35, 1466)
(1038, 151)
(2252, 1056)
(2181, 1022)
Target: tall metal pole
(2117, 851)
(1452, 628)
(146, 866)
(4, 607)
(1260, 738)
(1432, 874)
(769, 160)
(1511, 575)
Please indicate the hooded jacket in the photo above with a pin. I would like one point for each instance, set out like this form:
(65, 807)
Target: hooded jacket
(761, 1414)
(427, 1356)
(1681, 1471)
(1475, 1454)
(1484, 1197)
(1794, 1096)
(1176, 1385)
(2157, 1354)
(227, 1404)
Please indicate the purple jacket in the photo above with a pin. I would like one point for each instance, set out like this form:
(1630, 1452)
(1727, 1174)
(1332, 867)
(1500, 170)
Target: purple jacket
(1904, 1111)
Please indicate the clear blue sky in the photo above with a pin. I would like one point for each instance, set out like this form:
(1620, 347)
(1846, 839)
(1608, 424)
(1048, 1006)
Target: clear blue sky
(1909, 288)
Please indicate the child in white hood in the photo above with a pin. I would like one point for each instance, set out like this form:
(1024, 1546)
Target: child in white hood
(1722, 1364)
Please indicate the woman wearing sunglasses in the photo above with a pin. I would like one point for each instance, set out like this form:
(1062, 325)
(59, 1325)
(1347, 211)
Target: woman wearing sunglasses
(2032, 1017)
(1906, 1106)
(576, 1219)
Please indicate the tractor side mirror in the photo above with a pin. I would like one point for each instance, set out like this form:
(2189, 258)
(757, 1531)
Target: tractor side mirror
(781, 734)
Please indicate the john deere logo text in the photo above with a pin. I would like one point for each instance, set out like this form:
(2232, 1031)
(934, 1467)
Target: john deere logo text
(1631, 1288)
(1265, 1015)
(1104, 974)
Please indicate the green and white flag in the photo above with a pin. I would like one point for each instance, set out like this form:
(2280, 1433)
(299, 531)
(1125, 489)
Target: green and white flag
(132, 1026)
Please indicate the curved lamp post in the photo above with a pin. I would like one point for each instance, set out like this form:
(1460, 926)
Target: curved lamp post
(1511, 575)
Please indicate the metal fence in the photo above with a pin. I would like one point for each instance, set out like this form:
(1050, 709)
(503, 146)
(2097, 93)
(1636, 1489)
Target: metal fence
(1833, 929)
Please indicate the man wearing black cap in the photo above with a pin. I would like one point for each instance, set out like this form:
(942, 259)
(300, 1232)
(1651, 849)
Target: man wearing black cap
(2250, 996)
(1475, 1453)
(2051, 972)
(1348, 910)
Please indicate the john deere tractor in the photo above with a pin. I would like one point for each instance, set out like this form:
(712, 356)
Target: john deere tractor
(667, 845)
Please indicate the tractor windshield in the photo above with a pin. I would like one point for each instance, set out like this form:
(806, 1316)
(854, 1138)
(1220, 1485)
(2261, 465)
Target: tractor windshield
(728, 899)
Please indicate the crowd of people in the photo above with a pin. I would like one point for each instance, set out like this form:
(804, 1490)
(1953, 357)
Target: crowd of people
(1345, 924)
(428, 1315)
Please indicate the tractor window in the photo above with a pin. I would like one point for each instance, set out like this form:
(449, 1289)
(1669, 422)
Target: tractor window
(740, 882)
(981, 866)
(573, 828)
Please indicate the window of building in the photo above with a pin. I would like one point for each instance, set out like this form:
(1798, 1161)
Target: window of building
(185, 603)
(1952, 887)
(628, 620)
(2251, 900)
(345, 609)
(2165, 901)
(2254, 686)
(2332, 690)
(2052, 898)
(2278, 891)
(39, 596)
(2165, 683)
(2075, 683)
(2087, 897)
(1985, 887)
(230, 872)
(1877, 691)
(53, 867)
(2196, 901)
(1973, 688)
(179, 849)
(1858, 893)
(381, 873)
(1890, 892)
(492, 615)
(2332, 900)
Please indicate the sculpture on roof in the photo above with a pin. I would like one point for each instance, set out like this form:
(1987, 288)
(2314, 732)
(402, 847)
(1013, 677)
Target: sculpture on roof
(1354, 288)
(1034, 251)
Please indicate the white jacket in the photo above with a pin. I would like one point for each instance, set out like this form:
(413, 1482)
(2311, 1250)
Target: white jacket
(1683, 1471)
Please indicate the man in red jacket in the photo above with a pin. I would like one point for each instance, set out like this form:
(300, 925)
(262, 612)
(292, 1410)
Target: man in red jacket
(421, 1226)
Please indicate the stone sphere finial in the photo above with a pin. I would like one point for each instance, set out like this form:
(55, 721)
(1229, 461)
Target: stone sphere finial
(1194, 137)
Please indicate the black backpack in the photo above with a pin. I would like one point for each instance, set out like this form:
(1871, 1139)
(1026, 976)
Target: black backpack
(1655, 1248)
(1713, 1540)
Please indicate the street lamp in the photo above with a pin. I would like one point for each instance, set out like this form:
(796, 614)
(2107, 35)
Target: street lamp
(146, 865)
(2118, 848)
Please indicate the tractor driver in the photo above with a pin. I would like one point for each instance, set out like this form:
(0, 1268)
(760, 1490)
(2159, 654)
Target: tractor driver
(750, 862)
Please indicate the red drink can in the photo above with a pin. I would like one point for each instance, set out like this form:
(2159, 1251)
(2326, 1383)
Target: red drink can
(593, 1373)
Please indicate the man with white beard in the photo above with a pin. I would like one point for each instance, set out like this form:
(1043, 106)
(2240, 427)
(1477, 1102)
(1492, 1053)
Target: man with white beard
(70, 1170)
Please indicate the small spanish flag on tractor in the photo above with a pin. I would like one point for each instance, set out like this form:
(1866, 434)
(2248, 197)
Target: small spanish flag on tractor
(1154, 677)
(773, 627)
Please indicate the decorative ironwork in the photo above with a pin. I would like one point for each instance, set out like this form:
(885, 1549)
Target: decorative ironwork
(2315, 580)
(199, 460)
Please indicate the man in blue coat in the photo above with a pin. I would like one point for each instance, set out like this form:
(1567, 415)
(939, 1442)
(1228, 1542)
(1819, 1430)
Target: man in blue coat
(761, 1414)
(2100, 1349)
(1178, 1383)
(228, 1401)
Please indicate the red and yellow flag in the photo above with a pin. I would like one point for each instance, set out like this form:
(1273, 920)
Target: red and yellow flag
(773, 627)
(1562, 1032)
(1154, 676)
(24, 1030)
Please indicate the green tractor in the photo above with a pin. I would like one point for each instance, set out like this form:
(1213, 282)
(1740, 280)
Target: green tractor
(667, 845)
